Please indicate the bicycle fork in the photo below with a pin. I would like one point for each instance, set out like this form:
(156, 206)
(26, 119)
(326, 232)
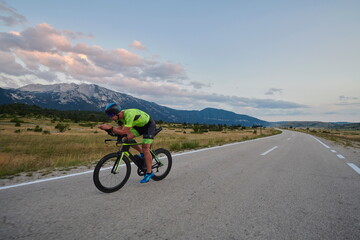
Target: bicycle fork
(115, 168)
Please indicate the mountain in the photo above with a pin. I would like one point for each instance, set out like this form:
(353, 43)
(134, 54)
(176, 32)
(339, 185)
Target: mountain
(90, 97)
(317, 124)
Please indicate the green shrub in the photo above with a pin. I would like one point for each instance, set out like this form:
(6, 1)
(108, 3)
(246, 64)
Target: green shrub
(190, 145)
(38, 129)
(16, 120)
(62, 127)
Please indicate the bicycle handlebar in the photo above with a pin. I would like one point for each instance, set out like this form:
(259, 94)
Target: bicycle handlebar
(120, 140)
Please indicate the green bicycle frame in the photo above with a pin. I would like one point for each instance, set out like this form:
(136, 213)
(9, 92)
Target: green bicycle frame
(125, 151)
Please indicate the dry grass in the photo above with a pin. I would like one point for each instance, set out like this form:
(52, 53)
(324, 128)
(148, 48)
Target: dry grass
(345, 137)
(22, 150)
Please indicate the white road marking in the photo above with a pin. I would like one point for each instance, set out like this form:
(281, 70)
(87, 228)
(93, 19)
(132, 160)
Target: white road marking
(264, 153)
(340, 156)
(353, 166)
(173, 155)
(321, 142)
(288, 139)
(45, 180)
(333, 151)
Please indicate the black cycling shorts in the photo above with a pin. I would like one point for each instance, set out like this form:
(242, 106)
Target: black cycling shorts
(148, 131)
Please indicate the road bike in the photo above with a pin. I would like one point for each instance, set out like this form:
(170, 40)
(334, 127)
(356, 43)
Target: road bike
(113, 170)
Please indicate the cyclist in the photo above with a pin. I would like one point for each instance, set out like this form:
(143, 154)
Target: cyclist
(133, 123)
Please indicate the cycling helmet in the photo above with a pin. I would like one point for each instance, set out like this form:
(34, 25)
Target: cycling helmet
(112, 109)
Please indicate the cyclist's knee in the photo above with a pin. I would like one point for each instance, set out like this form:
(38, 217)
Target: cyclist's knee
(146, 147)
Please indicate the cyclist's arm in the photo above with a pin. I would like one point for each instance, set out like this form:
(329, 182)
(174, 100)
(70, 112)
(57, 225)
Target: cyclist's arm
(119, 130)
(124, 130)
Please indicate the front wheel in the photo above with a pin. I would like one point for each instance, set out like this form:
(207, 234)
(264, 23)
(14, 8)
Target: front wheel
(111, 173)
(161, 163)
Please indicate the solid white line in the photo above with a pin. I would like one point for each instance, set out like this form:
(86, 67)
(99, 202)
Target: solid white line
(45, 180)
(263, 154)
(340, 156)
(321, 142)
(353, 166)
(173, 155)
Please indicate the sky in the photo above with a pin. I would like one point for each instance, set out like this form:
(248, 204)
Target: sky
(275, 60)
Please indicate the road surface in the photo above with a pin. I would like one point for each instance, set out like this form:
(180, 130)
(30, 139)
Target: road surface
(289, 186)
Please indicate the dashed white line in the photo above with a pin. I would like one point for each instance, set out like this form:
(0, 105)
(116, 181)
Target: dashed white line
(321, 142)
(333, 151)
(340, 156)
(264, 153)
(353, 166)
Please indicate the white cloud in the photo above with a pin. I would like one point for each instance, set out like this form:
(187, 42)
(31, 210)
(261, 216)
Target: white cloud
(137, 45)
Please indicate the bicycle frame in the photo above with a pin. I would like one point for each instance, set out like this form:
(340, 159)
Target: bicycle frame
(125, 151)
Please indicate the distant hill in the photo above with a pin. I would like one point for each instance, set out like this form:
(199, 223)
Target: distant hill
(90, 97)
(316, 124)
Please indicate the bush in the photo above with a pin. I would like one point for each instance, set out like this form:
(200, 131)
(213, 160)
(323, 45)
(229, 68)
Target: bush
(16, 120)
(62, 127)
(46, 132)
(38, 129)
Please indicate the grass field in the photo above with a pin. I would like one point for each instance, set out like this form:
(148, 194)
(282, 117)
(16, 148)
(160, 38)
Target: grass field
(350, 138)
(28, 145)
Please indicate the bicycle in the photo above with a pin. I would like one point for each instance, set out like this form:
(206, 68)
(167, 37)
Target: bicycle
(113, 170)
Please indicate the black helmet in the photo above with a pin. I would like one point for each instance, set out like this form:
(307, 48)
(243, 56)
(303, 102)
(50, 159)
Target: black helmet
(112, 109)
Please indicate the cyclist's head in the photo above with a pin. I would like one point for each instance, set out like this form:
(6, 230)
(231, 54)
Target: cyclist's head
(112, 109)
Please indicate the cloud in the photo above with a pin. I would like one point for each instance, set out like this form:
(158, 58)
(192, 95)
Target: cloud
(273, 91)
(346, 100)
(44, 46)
(9, 17)
(137, 45)
(8, 65)
(45, 54)
(198, 85)
(250, 102)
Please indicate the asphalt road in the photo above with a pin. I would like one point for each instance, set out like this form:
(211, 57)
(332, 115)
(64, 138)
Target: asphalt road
(289, 186)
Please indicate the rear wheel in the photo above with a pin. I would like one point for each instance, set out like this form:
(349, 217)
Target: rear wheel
(161, 164)
(107, 177)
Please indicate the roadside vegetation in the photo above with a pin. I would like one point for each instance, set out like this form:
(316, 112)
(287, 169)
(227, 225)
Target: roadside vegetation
(346, 137)
(43, 143)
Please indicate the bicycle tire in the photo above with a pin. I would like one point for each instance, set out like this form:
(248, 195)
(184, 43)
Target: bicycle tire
(162, 171)
(104, 179)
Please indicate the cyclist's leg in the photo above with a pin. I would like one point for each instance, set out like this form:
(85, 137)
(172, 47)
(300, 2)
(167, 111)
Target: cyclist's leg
(148, 157)
(148, 138)
(136, 134)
